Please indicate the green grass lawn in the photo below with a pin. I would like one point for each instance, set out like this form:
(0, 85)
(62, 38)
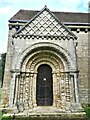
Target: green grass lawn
(39, 118)
(87, 109)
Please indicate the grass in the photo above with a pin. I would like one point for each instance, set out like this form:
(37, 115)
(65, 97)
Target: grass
(87, 110)
(7, 118)
(40, 118)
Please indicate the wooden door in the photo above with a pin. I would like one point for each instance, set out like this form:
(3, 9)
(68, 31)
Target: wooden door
(44, 86)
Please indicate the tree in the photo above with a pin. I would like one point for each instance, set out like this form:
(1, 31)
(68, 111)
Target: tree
(0, 69)
(3, 58)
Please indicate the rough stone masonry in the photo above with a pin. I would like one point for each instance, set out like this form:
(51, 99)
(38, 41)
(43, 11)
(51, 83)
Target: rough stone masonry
(47, 61)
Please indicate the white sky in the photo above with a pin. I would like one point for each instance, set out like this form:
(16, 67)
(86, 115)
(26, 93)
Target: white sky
(9, 7)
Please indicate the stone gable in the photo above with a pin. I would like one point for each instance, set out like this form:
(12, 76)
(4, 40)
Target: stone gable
(44, 24)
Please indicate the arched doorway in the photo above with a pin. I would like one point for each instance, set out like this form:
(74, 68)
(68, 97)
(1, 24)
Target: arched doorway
(44, 86)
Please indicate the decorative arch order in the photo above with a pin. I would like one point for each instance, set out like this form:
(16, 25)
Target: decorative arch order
(31, 51)
(29, 61)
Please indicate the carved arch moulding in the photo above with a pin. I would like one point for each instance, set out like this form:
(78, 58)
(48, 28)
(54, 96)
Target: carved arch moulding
(42, 50)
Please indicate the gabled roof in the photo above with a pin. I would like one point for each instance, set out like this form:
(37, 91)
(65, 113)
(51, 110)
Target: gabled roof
(45, 23)
(26, 15)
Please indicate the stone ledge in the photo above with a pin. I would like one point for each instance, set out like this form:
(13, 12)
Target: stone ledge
(54, 115)
(44, 112)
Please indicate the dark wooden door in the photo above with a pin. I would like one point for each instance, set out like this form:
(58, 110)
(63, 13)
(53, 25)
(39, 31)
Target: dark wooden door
(44, 86)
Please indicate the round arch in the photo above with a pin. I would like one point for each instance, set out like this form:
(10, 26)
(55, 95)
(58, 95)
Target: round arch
(31, 51)
(45, 57)
(44, 53)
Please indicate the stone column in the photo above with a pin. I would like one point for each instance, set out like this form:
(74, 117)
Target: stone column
(12, 86)
(21, 94)
(68, 99)
(30, 90)
(16, 89)
(67, 78)
(54, 89)
(18, 92)
(34, 89)
(72, 88)
(76, 88)
(62, 90)
(26, 92)
(58, 96)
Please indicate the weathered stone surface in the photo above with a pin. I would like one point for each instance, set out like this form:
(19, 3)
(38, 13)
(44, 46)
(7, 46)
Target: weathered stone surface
(41, 42)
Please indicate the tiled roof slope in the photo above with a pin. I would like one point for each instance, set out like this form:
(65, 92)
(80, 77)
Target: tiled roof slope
(26, 15)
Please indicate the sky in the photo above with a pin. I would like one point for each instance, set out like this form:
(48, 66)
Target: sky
(9, 7)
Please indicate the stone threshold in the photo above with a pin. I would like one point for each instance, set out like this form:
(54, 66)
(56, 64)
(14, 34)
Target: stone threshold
(71, 116)
(46, 112)
(60, 115)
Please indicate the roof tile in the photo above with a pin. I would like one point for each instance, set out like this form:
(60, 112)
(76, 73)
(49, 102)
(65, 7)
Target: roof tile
(26, 15)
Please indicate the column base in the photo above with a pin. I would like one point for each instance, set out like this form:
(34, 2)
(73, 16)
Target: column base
(74, 107)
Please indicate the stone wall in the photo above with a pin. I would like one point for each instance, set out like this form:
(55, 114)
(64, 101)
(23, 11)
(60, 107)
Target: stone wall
(7, 73)
(82, 60)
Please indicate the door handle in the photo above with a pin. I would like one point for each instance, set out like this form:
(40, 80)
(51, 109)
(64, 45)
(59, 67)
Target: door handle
(44, 79)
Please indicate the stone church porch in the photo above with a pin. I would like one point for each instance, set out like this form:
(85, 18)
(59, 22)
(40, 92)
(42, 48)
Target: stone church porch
(64, 97)
(43, 72)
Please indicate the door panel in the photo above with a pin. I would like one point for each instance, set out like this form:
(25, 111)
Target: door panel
(44, 86)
